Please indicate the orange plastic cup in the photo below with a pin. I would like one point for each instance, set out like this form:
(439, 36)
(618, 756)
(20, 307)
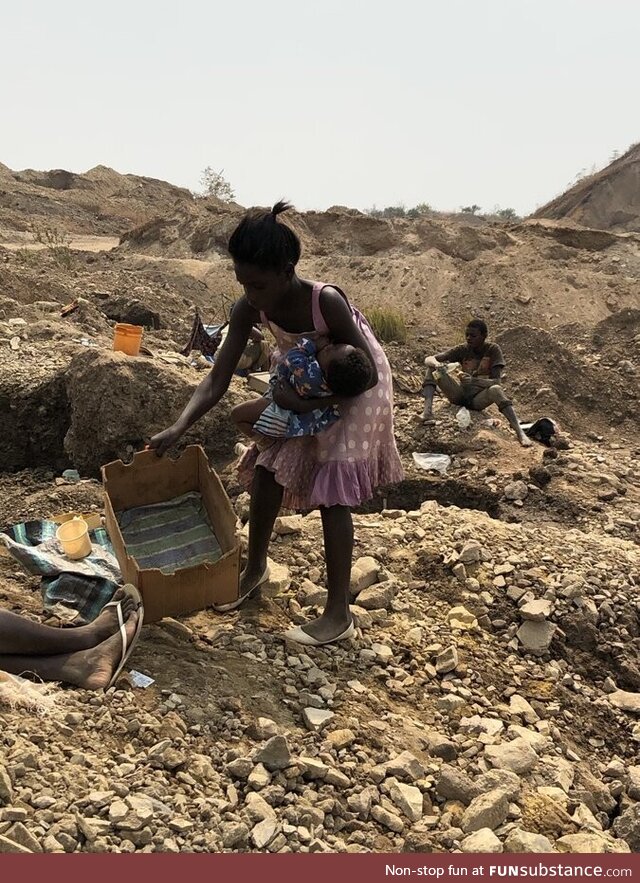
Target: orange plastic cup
(127, 338)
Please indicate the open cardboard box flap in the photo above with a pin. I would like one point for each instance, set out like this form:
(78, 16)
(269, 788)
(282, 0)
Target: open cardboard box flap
(151, 479)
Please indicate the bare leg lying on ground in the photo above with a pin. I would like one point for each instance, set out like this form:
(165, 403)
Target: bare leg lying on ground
(91, 669)
(19, 635)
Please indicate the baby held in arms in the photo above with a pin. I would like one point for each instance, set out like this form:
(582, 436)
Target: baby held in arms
(305, 391)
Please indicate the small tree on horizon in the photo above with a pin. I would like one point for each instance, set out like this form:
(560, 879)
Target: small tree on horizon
(470, 209)
(215, 184)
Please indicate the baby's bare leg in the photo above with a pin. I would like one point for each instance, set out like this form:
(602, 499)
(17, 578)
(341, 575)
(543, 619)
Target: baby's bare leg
(246, 414)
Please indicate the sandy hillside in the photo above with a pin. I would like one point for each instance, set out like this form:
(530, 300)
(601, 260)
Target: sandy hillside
(490, 700)
(607, 200)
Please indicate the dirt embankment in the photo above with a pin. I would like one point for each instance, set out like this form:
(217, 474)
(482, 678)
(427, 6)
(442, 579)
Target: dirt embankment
(607, 200)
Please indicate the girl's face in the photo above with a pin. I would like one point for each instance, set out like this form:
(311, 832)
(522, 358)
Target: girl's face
(331, 352)
(264, 289)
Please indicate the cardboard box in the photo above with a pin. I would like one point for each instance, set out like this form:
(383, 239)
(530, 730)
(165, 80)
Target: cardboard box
(152, 479)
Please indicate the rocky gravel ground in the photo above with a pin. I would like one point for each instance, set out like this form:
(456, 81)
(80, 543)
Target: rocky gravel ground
(490, 702)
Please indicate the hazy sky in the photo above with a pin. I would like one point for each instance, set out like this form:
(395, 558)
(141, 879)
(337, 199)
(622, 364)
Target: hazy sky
(350, 102)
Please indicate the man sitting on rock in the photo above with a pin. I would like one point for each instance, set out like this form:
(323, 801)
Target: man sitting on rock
(482, 364)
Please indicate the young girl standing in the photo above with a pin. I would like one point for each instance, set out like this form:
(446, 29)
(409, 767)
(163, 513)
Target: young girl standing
(335, 470)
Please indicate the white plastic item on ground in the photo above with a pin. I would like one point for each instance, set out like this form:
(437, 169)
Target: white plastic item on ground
(464, 418)
(436, 462)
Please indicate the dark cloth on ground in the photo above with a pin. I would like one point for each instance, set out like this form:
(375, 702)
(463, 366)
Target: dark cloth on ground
(80, 588)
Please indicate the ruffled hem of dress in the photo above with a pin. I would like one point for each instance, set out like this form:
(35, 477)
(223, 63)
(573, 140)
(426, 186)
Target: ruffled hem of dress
(336, 483)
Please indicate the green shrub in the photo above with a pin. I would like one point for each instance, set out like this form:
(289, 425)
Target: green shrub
(387, 325)
(56, 242)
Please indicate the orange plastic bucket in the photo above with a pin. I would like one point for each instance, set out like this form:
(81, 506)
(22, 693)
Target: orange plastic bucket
(127, 338)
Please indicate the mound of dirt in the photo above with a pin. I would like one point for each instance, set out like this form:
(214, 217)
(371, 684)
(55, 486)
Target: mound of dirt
(118, 402)
(203, 230)
(608, 200)
(555, 380)
(100, 201)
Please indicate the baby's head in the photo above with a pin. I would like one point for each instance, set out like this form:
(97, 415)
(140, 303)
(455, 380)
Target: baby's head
(347, 369)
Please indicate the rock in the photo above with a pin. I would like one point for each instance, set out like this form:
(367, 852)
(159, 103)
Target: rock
(9, 846)
(288, 524)
(405, 766)
(590, 842)
(263, 833)
(387, 819)
(262, 728)
(447, 660)
(259, 777)
(517, 756)
(438, 745)
(519, 705)
(453, 784)
(257, 808)
(536, 637)
(6, 788)
(278, 581)
(516, 490)
(408, 799)
(340, 739)
(382, 652)
(22, 836)
(377, 597)
(274, 754)
(461, 618)
(312, 595)
(471, 552)
(234, 834)
(316, 718)
(487, 810)
(536, 611)
(625, 701)
(502, 780)
(483, 840)
(364, 573)
(627, 826)
(361, 802)
(524, 841)
(313, 768)
(633, 786)
(240, 768)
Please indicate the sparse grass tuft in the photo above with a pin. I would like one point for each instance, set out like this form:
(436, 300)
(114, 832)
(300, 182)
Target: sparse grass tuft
(387, 325)
(56, 242)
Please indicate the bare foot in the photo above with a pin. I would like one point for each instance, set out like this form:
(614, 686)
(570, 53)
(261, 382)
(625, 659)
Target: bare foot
(106, 624)
(525, 441)
(93, 669)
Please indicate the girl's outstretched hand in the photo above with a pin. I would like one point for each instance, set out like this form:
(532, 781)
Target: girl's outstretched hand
(164, 440)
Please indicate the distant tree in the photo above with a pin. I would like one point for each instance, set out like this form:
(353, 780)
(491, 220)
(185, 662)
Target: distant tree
(507, 214)
(394, 211)
(215, 184)
(470, 209)
(418, 211)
